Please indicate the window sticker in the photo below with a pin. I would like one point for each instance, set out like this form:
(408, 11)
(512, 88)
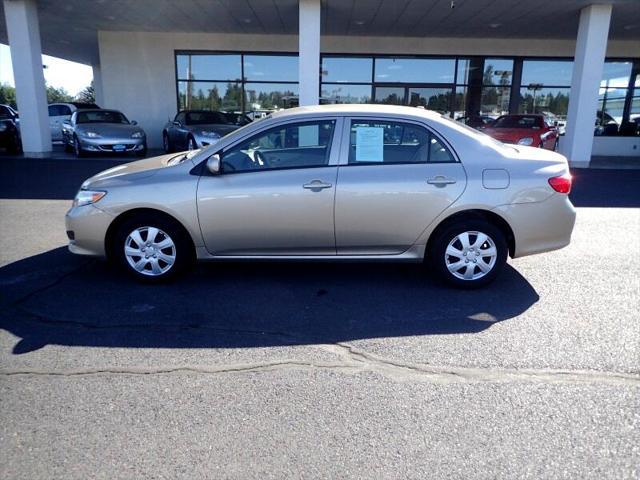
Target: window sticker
(369, 144)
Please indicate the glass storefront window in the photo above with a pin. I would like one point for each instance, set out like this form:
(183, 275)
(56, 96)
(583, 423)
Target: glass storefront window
(389, 95)
(209, 67)
(495, 100)
(616, 74)
(497, 71)
(269, 96)
(210, 96)
(436, 99)
(346, 70)
(547, 72)
(415, 70)
(549, 101)
(343, 93)
(273, 68)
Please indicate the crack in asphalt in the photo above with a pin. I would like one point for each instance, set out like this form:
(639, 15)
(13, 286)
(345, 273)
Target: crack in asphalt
(353, 360)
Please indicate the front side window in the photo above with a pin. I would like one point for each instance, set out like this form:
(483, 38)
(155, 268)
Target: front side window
(385, 142)
(295, 145)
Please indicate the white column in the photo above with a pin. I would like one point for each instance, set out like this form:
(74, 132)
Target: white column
(591, 47)
(97, 85)
(26, 57)
(309, 52)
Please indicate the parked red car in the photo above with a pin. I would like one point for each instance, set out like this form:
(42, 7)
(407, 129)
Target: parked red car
(531, 130)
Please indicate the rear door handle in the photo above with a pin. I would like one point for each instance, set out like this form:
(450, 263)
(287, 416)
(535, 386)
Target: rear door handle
(316, 185)
(441, 181)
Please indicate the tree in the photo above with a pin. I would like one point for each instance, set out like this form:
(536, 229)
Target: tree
(58, 95)
(87, 95)
(8, 95)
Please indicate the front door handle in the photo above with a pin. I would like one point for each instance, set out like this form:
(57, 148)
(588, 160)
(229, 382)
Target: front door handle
(316, 185)
(441, 181)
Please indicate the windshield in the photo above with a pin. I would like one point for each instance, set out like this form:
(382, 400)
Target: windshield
(101, 116)
(204, 118)
(509, 121)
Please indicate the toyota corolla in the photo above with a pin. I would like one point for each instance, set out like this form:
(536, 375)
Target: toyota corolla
(339, 183)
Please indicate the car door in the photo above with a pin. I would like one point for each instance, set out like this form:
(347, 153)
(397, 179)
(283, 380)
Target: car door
(394, 179)
(176, 133)
(275, 193)
(58, 114)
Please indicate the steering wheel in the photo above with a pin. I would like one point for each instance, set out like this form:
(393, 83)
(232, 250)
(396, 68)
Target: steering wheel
(260, 158)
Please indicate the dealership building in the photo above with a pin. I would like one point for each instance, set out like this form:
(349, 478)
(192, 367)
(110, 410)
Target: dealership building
(576, 61)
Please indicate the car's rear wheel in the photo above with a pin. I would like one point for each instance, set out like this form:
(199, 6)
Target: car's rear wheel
(152, 248)
(469, 254)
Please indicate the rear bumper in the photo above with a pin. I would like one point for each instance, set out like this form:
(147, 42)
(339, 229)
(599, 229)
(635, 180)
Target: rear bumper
(541, 226)
(87, 225)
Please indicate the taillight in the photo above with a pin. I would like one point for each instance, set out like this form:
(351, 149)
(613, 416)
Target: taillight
(561, 184)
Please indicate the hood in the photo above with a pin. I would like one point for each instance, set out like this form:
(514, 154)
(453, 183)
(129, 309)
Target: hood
(129, 171)
(511, 133)
(219, 128)
(109, 129)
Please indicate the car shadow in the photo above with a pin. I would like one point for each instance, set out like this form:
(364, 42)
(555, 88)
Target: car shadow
(58, 299)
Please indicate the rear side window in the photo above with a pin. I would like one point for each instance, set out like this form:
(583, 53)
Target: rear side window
(386, 142)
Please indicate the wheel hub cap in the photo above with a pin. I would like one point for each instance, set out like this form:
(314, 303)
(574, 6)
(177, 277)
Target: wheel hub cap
(471, 255)
(150, 251)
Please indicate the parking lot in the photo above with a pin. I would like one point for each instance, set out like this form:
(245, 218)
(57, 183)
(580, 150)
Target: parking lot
(273, 370)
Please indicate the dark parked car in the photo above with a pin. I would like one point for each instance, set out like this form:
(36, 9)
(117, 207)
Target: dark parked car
(193, 129)
(9, 129)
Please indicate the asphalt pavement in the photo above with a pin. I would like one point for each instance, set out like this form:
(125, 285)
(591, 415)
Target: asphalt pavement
(278, 370)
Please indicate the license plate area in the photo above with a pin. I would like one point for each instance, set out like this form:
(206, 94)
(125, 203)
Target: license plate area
(119, 148)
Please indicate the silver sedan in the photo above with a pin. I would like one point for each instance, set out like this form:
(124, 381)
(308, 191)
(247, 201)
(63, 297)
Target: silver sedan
(339, 182)
(192, 129)
(102, 131)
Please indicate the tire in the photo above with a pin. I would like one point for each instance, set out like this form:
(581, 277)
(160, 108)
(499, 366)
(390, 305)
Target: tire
(67, 147)
(166, 143)
(169, 261)
(470, 273)
(77, 149)
(191, 144)
(14, 146)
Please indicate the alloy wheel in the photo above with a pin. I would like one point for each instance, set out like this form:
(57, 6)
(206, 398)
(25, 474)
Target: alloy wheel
(471, 255)
(150, 251)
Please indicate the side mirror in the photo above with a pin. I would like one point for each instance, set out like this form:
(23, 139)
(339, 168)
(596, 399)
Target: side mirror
(213, 164)
(133, 122)
(176, 123)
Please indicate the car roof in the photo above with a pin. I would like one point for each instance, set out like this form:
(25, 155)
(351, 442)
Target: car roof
(357, 109)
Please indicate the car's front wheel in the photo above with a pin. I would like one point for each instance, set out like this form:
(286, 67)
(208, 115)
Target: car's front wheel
(469, 254)
(77, 148)
(152, 248)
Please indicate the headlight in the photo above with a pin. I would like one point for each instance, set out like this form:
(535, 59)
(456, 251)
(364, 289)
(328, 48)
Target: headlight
(87, 197)
(3, 126)
(137, 135)
(90, 135)
(525, 141)
(206, 133)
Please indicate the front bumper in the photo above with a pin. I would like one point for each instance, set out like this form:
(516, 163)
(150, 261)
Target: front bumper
(540, 226)
(113, 144)
(87, 225)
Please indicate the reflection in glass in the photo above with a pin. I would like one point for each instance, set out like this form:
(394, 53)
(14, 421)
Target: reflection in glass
(610, 109)
(269, 96)
(210, 96)
(616, 74)
(273, 68)
(547, 72)
(209, 67)
(497, 71)
(346, 93)
(346, 70)
(419, 70)
(495, 100)
(553, 101)
(436, 99)
(389, 95)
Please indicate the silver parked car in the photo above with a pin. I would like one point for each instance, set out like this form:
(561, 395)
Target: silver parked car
(103, 131)
(192, 129)
(336, 182)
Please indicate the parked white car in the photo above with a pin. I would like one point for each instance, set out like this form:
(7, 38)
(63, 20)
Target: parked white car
(59, 112)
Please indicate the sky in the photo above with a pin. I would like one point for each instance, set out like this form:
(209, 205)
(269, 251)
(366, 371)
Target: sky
(71, 76)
